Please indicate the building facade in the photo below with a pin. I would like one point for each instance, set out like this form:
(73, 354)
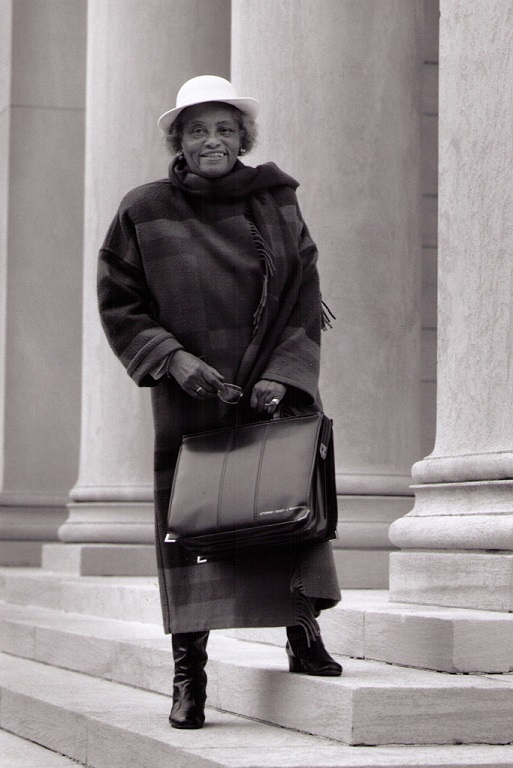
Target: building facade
(349, 106)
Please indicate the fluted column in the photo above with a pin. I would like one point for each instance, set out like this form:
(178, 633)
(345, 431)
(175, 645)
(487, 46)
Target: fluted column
(42, 93)
(139, 54)
(339, 87)
(461, 529)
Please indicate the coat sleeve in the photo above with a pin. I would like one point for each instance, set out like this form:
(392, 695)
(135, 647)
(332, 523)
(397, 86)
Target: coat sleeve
(126, 308)
(295, 360)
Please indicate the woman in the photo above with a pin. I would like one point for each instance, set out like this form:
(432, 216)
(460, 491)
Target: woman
(207, 279)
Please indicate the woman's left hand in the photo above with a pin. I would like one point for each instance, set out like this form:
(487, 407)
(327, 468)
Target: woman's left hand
(267, 395)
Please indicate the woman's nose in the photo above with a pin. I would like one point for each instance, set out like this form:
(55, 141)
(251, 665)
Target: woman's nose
(213, 140)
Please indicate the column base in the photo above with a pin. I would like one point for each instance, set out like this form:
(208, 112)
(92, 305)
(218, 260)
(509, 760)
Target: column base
(361, 568)
(100, 559)
(26, 521)
(20, 554)
(24, 526)
(479, 580)
(115, 522)
(363, 547)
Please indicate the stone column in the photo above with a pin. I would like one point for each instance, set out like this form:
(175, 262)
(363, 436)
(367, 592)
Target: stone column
(339, 85)
(139, 54)
(42, 92)
(457, 543)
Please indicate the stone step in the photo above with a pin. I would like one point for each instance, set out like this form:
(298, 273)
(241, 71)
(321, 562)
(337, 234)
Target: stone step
(116, 597)
(367, 625)
(104, 724)
(100, 559)
(20, 753)
(371, 704)
(364, 625)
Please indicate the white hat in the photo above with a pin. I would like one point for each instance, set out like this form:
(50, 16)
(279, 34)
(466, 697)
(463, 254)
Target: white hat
(207, 88)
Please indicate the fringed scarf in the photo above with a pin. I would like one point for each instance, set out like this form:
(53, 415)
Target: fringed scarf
(244, 181)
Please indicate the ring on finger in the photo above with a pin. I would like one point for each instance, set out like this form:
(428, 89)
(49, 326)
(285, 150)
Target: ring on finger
(274, 401)
(200, 389)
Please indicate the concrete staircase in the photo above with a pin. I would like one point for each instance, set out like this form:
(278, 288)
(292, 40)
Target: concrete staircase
(79, 676)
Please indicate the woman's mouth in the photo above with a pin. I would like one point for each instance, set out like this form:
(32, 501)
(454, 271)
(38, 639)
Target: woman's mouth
(213, 155)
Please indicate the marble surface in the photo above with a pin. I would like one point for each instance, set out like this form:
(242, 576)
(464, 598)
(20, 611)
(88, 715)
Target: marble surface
(354, 144)
(463, 508)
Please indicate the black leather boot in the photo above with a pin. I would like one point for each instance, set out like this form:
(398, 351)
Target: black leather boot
(311, 659)
(190, 680)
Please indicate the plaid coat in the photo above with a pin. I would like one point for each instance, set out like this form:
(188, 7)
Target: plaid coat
(180, 269)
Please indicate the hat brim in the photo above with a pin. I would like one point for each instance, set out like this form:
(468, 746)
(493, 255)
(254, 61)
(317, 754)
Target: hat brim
(244, 103)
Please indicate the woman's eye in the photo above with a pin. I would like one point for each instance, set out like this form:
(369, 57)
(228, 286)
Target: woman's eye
(226, 131)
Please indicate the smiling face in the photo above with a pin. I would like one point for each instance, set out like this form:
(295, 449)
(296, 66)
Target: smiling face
(211, 139)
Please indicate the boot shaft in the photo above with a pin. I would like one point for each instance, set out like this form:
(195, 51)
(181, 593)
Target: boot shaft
(190, 679)
(189, 650)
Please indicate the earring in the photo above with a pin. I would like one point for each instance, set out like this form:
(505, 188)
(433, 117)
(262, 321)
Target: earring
(179, 154)
(242, 152)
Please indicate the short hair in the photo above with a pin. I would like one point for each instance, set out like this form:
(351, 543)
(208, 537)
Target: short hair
(247, 126)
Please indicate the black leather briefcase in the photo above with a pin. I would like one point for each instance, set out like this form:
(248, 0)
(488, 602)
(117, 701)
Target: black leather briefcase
(264, 484)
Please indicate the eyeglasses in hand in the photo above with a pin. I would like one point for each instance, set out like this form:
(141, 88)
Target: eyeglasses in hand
(230, 393)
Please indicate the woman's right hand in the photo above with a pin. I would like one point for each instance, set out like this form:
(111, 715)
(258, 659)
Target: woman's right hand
(194, 376)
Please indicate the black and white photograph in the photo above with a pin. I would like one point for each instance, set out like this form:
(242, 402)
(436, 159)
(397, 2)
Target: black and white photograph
(256, 383)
